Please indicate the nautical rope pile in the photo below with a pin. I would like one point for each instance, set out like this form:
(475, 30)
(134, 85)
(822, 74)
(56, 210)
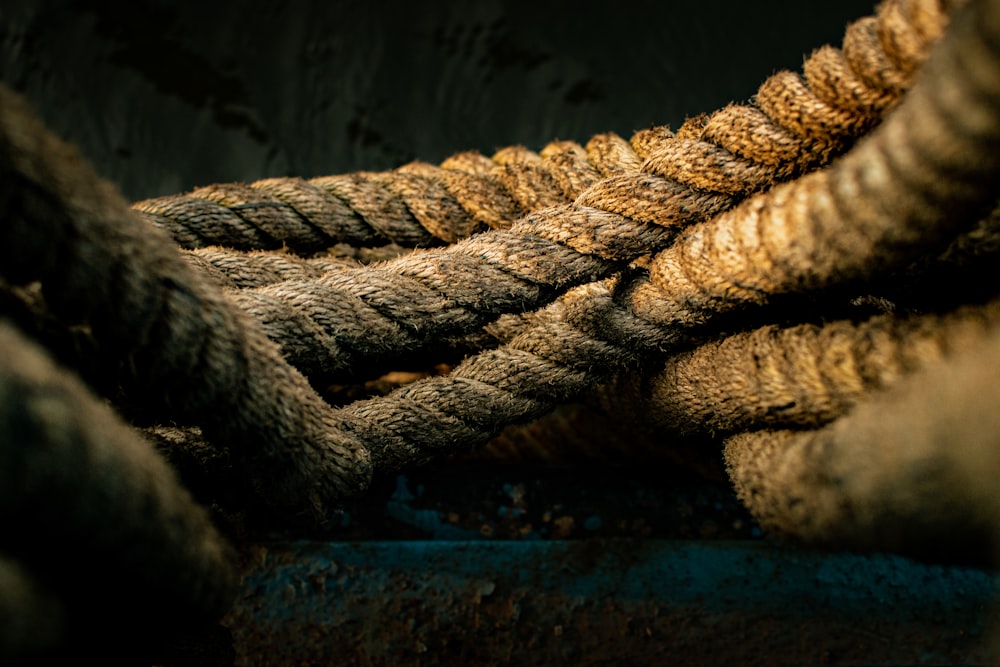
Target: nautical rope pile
(700, 281)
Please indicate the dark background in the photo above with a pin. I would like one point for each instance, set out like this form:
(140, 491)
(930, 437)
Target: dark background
(163, 96)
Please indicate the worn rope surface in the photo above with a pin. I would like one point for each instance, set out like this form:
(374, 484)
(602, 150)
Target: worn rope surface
(665, 234)
(183, 345)
(72, 476)
(799, 376)
(914, 469)
(924, 175)
(333, 324)
(387, 427)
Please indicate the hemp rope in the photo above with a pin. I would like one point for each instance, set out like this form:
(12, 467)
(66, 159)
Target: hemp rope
(333, 325)
(744, 148)
(232, 270)
(927, 172)
(708, 124)
(587, 334)
(913, 469)
(73, 476)
(799, 376)
(366, 331)
(174, 339)
(771, 377)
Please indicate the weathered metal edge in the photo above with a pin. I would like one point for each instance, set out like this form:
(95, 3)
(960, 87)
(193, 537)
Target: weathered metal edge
(618, 601)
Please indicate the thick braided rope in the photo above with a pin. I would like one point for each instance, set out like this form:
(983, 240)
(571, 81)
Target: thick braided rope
(334, 324)
(800, 376)
(182, 345)
(415, 205)
(918, 180)
(71, 473)
(913, 468)
(297, 489)
(926, 173)
(772, 377)
(243, 270)
(797, 121)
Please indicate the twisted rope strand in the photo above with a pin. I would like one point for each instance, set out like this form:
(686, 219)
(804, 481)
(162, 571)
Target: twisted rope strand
(743, 148)
(72, 473)
(182, 345)
(417, 205)
(801, 376)
(925, 173)
(914, 468)
(334, 324)
(245, 270)
(317, 458)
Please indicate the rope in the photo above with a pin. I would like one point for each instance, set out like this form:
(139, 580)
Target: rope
(255, 269)
(467, 269)
(924, 174)
(795, 118)
(332, 325)
(71, 473)
(800, 376)
(665, 234)
(172, 338)
(778, 377)
(913, 470)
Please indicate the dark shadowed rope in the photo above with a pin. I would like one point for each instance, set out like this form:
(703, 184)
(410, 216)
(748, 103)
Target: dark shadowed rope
(179, 344)
(181, 316)
(74, 477)
(175, 340)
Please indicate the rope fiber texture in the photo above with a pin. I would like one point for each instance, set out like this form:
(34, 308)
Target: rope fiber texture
(653, 186)
(169, 335)
(927, 172)
(799, 376)
(74, 478)
(913, 469)
(657, 260)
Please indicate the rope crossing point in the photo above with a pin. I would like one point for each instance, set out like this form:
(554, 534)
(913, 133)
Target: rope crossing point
(588, 262)
(333, 324)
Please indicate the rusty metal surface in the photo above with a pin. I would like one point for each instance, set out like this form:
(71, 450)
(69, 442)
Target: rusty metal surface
(602, 601)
